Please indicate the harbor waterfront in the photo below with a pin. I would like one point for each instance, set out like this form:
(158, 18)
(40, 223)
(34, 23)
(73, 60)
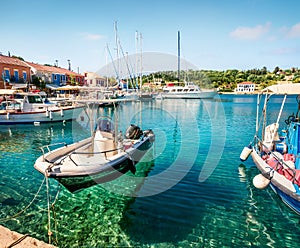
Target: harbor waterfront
(190, 190)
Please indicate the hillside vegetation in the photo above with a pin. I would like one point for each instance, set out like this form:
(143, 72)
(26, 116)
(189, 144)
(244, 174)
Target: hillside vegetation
(228, 80)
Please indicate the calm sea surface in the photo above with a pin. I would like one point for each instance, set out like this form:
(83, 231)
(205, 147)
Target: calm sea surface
(190, 190)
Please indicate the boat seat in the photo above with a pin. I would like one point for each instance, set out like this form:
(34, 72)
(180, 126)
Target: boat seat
(106, 146)
(52, 157)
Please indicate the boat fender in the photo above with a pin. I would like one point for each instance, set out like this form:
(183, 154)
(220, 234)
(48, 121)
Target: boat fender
(47, 113)
(260, 181)
(245, 153)
(62, 113)
(8, 116)
(50, 115)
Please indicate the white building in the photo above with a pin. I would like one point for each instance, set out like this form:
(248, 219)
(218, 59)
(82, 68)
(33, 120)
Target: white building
(245, 87)
(92, 79)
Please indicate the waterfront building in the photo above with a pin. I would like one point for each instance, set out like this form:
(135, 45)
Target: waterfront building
(245, 87)
(55, 76)
(14, 71)
(92, 79)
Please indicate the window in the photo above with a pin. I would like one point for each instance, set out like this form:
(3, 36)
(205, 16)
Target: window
(24, 75)
(16, 74)
(6, 74)
(35, 99)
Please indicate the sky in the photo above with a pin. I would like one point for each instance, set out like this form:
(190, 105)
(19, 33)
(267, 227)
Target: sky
(214, 34)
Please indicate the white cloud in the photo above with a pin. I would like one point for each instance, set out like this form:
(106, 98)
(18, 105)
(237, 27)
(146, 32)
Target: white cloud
(294, 32)
(250, 33)
(89, 36)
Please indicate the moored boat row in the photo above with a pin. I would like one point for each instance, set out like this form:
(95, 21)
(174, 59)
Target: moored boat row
(26, 107)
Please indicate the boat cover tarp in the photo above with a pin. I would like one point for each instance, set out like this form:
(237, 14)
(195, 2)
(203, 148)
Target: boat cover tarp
(289, 89)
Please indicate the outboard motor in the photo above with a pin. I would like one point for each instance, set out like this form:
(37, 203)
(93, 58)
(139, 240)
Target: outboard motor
(133, 132)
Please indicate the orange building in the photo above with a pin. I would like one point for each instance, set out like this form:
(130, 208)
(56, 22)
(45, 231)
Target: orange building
(13, 70)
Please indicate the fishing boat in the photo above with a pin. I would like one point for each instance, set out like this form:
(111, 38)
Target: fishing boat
(26, 107)
(187, 91)
(103, 157)
(275, 153)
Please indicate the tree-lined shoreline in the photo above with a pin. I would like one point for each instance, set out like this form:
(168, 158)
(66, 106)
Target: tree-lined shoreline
(227, 80)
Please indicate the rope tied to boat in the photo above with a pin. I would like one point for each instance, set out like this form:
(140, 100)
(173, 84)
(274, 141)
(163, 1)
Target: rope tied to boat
(23, 210)
(51, 206)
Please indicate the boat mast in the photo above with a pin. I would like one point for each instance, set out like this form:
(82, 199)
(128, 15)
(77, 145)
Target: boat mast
(178, 57)
(106, 61)
(136, 59)
(141, 63)
(117, 49)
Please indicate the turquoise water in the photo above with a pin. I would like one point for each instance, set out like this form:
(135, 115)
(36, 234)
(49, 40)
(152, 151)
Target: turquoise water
(190, 190)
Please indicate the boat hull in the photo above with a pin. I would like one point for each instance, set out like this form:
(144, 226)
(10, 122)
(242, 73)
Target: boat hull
(103, 173)
(290, 201)
(64, 114)
(283, 187)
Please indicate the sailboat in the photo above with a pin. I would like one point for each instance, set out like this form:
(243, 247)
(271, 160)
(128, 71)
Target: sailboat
(185, 90)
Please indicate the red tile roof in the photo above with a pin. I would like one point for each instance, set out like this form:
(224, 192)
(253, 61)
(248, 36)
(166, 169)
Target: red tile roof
(53, 69)
(245, 83)
(12, 61)
(39, 67)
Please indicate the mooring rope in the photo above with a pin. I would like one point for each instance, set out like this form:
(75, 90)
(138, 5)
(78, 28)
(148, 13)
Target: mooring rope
(48, 208)
(23, 210)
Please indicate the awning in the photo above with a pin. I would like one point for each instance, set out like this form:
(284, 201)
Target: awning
(18, 86)
(69, 87)
(52, 86)
(289, 89)
(7, 92)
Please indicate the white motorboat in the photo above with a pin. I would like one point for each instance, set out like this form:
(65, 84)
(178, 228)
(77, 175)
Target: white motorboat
(188, 91)
(102, 157)
(24, 108)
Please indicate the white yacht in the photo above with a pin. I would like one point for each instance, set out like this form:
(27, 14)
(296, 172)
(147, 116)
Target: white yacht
(188, 91)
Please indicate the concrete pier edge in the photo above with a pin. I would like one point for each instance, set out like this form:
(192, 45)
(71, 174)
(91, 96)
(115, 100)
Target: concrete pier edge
(13, 239)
